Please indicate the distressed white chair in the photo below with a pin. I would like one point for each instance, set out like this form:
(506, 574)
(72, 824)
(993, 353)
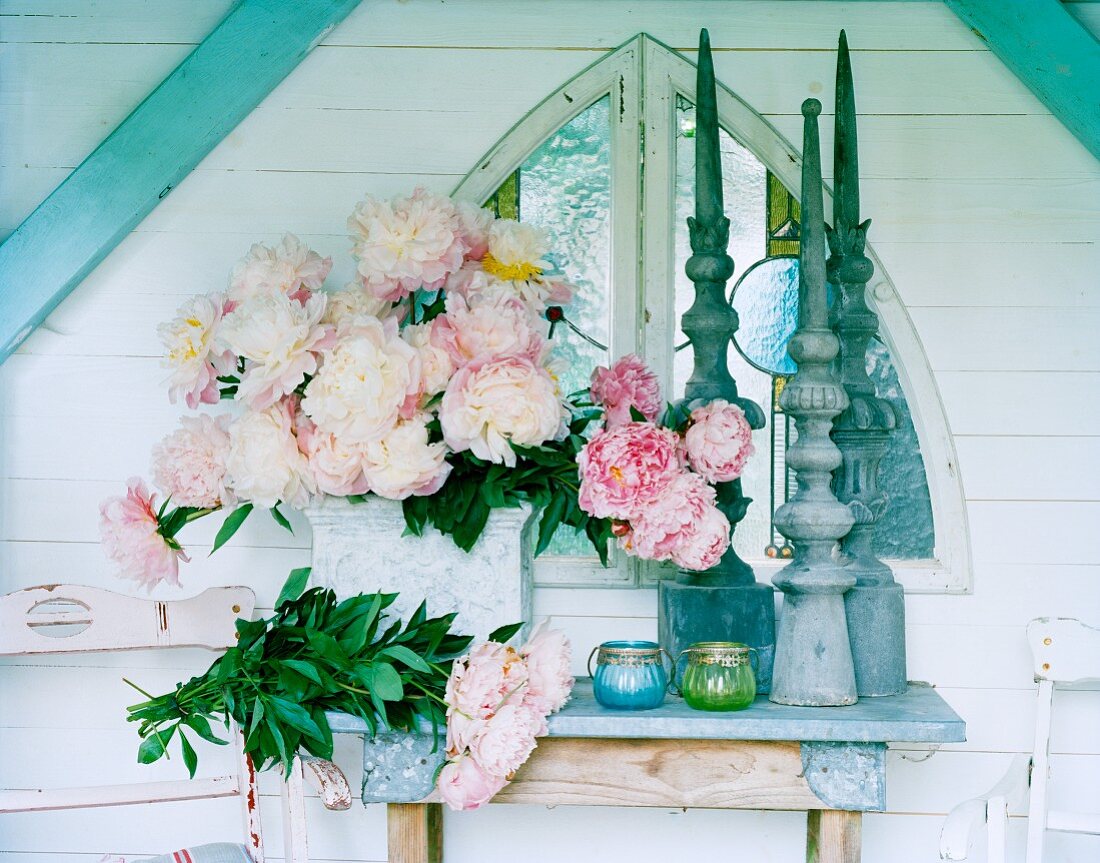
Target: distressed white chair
(1064, 651)
(77, 619)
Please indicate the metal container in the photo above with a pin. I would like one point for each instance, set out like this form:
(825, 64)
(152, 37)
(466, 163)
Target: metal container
(630, 675)
(719, 676)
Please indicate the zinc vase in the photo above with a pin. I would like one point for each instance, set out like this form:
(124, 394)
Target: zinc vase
(362, 548)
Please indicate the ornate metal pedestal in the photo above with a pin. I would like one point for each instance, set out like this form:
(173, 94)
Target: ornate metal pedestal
(724, 603)
(813, 661)
(876, 605)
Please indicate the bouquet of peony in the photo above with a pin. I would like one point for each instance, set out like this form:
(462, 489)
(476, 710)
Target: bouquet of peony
(655, 480)
(498, 700)
(430, 380)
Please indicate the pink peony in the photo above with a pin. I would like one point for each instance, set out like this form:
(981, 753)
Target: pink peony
(491, 404)
(718, 441)
(481, 330)
(406, 244)
(473, 226)
(436, 366)
(682, 524)
(336, 469)
(464, 785)
(504, 741)
(265, 464)
(627, 384)
(403, 463)
(189, 464)
(480, 682)
(290, 268)
(624, 468)
(549, 680)
(131, 537)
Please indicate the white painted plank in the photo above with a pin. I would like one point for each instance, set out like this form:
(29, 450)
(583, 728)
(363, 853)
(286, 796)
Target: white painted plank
(1035, 468)
(1020, 403)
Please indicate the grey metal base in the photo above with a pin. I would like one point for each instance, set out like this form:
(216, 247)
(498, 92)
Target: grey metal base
(876, 630)
(706, 612)
(813, 659)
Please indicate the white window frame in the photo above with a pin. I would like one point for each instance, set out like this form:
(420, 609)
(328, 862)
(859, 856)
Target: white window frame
(643, 77)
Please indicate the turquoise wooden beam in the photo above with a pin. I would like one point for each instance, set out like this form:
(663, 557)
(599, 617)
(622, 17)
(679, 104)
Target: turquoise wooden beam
(1047, 49)
(254, 47)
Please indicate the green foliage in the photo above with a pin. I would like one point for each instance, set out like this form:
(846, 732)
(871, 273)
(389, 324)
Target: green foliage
(544, 476)
(314, 655)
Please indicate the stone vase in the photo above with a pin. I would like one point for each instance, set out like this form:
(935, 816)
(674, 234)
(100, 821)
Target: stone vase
(362, 548)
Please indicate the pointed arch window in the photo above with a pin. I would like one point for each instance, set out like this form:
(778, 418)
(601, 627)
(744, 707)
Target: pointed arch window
(606, 164)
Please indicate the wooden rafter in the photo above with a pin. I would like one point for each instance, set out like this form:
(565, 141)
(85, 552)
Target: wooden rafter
(256, 45)
(1042, 44)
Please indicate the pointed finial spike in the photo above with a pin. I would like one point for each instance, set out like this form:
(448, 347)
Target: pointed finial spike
(813, 301)
(708, 159)
(845, 147)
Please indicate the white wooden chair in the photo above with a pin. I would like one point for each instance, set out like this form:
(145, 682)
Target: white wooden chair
(1064, 651)
(77, 619)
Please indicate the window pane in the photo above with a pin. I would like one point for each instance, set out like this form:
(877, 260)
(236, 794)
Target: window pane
(764, 238)
(565, 186)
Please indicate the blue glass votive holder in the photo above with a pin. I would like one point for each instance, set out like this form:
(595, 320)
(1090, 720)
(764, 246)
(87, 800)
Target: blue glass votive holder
(629, 675)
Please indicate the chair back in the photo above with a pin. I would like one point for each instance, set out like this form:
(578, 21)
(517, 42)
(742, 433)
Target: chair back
(71, 618)
(1063, 651)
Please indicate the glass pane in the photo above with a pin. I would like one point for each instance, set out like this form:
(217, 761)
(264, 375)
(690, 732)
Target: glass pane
(764, 241)
(565, 186)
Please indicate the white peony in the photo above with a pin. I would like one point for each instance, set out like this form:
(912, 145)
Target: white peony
(337, 469)
(515, 264)
(287, 268)
(489, 405)
(436, 367)
(280, 338)
(193, 351)
(406, 243)
(474, 224)
(265, 465)
(403, 463)
(344, 307)
(364, 383)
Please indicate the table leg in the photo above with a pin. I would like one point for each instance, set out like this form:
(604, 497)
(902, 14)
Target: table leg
(415, 832)
(833, 836)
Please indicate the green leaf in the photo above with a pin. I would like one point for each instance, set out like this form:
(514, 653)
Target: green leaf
(294, 585)
(387, 682)
(403, 654)
(305, 669)
(201, 727)
(505, 633)
(295, 716)
(281, 519)
(551, 520)
(637, 415)
(229, 527)
(152, 747)
(190, 759)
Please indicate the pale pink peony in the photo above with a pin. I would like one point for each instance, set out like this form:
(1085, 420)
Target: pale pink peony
(265, 465)
(405, 244)
(281, 338)
(403, 463)
(627, 384)
(130, 534)
(549, 680)
(194, 352)
(344, 308)
(336, 469)
(482, 330)
(464, 785)
(189, 464)
(436, 366)
(368, 381)
(718, 441)
(290, 268)
(473, 226)
(490, 405)
(682, 524)
(481, 681)
(506, 739)
(624, 468)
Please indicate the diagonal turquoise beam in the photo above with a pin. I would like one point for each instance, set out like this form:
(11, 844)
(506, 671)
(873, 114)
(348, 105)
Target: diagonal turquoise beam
(1042, 44)
(257, 44)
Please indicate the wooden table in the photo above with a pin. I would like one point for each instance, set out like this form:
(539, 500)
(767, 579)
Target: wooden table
(828, 761)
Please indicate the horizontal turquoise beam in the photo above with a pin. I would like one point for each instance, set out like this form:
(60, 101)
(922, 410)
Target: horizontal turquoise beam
(1047, 49)
(242, 60)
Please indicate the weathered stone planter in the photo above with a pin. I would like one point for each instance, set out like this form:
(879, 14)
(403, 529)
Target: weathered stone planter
(400, 767)
(360, 548)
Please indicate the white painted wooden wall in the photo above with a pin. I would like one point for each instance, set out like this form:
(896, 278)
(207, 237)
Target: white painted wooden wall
(986, 216)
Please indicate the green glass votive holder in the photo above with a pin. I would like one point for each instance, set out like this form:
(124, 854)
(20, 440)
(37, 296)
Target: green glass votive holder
(719, 676)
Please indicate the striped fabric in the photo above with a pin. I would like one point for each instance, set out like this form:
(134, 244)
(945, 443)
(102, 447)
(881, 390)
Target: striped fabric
(220, 852)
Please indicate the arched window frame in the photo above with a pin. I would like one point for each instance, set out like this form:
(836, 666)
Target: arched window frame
(642, 77)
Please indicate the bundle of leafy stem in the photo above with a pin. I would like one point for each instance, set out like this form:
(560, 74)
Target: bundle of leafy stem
(314, 655)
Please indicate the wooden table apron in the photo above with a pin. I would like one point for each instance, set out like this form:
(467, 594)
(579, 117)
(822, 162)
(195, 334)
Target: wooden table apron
(829, 762)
